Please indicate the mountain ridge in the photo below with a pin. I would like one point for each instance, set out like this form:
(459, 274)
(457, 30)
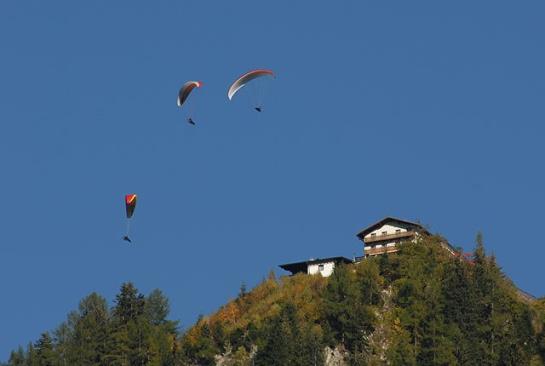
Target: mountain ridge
(419, 306)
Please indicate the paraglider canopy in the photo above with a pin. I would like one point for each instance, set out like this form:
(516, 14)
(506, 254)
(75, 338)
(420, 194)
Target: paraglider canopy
(185, 90)
(246, 78)
(130, 204)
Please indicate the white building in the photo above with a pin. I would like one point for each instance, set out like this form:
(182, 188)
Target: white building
(380, 238)
(385, 235)
(323, 266)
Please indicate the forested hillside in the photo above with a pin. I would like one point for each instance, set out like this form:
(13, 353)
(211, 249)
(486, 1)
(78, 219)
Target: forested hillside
(420, 306)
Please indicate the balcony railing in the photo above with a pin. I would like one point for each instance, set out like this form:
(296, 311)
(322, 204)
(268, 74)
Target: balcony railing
(381, 250)
(383, 237)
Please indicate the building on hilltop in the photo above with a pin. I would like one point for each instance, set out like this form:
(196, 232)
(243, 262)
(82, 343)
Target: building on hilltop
(323, 266)
(385, 235)
(382, 237)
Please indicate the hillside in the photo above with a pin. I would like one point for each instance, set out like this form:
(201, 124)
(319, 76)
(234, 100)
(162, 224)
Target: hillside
(421, 306)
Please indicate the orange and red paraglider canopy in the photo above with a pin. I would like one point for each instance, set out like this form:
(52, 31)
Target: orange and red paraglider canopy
(130, 204)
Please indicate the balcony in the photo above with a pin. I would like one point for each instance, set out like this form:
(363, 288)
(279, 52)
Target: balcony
(403, 234)
(378, 251)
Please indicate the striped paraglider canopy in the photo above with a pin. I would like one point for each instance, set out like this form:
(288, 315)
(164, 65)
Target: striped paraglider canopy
(245, 79)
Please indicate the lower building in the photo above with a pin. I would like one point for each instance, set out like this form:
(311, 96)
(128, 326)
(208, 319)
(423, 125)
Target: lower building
(324, 266)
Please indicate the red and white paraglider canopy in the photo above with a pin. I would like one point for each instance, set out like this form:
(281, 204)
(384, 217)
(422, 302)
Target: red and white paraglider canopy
(246, 78)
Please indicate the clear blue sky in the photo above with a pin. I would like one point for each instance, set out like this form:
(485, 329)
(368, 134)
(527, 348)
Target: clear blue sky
(430, 111)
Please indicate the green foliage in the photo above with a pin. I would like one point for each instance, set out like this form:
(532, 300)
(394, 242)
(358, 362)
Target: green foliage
(45, 355)
(129, 304)
(289, 342)
(346, 313)
(132, 333)
(420, 306)
(17, 358)
(156, 307)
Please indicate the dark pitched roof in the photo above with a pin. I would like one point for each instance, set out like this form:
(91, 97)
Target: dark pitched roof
(302, 266)
(378, 224)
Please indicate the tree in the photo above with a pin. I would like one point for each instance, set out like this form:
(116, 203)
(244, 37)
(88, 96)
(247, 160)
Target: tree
(282, 340)
(312, 345)
(205, 349)
(129, 331)
(129, 304)
(45, 355)
(240, 358)
(156, 307)
(84, 340)
(348, 318)
(17, 358)
(369, 282)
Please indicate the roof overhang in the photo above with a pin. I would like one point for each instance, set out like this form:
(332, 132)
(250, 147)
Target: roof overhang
(385, 220)
(297, 267)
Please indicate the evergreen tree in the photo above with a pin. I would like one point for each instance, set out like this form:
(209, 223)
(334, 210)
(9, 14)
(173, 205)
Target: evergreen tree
(282, 346)
(62, 337)
(129, 304)
(31, 359)
(348, 319)
(139, 333)
(84, 340)
(161, 334)
(369, 282)
(312, 345)
(125, 333)
(400, 351)
(240, 358)
(157, 307)
(17, 358)
(205, 349)
(45, 355)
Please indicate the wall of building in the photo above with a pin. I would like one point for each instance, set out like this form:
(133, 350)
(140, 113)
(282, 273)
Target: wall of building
(389, 229)
(327, 270)
(387, 245)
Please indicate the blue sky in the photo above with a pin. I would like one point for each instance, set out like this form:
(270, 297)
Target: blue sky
(429, 111)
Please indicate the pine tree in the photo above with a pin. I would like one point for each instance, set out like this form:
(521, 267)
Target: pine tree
(348, 319)
(139, 333)
(161, 333)
(156, 307)
(125, 332)
(205, 349)
(45, 355)
(369, 282)
(240, 358)
(84, 339)
(281, 340)
(129, 304)
(312, 345)
(17, 358)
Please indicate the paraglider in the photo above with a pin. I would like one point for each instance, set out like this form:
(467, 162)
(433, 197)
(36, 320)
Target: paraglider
(183, 94)
(130, 205)
(244, 80)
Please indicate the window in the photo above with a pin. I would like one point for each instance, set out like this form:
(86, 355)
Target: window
(384, 233)
(374, 234)
(398, 231)
(321, 267)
